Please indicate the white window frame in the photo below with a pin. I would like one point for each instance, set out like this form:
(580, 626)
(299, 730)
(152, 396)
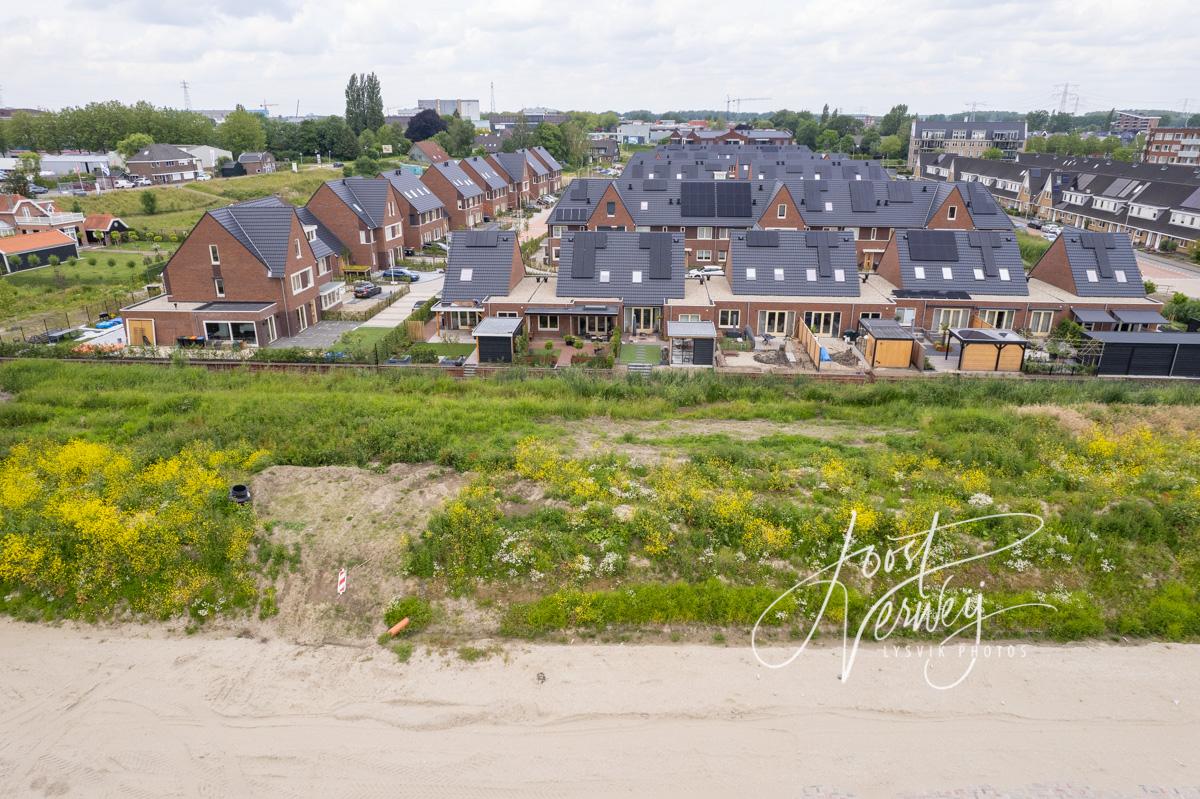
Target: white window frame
(219, 286)
(214, 255)
(729, 317)
(1038, 329)
(951, 212)
(703, 255)
(781, 211)
(296, 280)
(544, 323)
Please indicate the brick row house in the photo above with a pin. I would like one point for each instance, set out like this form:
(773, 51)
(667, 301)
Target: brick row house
(1155, 204)
(515, 168)
(164, 163)
(425, 214)
(495, 187)
(553, 169)
(461, 196)
(365, 215)
(247, 275)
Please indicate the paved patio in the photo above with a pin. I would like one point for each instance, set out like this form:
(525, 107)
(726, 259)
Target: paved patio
(322, 335)
(418, 292)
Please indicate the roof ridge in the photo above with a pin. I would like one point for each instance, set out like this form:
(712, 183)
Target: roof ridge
(257, 252)
(361, 204)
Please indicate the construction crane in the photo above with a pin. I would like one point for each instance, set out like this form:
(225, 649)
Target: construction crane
(737, 102)
(266, 107)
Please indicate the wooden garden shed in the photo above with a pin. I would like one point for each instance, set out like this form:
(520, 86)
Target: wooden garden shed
(985, 349)
(889, 345)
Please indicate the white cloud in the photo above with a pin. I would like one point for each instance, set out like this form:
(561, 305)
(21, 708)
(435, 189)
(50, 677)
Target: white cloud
(934, 55)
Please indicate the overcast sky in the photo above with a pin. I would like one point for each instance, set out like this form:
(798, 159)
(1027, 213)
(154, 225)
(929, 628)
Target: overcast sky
(934, 55)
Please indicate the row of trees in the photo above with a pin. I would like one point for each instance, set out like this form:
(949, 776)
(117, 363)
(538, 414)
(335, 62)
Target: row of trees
(1074, 144)
(830, 131)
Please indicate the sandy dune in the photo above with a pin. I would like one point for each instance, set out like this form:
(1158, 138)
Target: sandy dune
(139, 713)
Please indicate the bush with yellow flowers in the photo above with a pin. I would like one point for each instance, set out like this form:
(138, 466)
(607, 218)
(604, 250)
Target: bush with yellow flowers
(87, 532)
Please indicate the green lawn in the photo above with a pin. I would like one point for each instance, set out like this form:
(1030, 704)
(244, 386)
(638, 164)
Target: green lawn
(1032, 247)
(640, 353)
(360, 343)
(452, 350)
(26, 295)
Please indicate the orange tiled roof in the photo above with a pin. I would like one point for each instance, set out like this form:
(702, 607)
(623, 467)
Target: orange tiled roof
(34, 241)
(98, 221)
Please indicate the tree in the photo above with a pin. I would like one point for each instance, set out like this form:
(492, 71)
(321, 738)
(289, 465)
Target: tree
(354, 104)
(824, 114)
(458, 138)
(31, 164)
(993, 153)
(827, 141)
(3, 137)
(134, 143)
(366, 166)
(846, 144)
(521, 138)
(364, 102)
(149, 202)
(345, 146)
(550, 137)
(890, 124)
(242, 132)
(891, 146)
(1037, 120)
(425, 125)
(18, 183)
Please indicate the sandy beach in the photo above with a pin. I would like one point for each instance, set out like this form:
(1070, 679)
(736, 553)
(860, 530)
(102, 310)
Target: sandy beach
(135, 712)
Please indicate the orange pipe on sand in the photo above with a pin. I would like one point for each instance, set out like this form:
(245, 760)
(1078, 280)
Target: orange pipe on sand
(400, 625)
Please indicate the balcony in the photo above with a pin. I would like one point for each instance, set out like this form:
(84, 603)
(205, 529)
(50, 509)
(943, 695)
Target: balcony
(51, 220)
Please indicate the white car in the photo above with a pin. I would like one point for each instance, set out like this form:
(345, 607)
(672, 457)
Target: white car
(1051, 231)
(203, 176)
(706, 271)
(141, 181)
(122, 183)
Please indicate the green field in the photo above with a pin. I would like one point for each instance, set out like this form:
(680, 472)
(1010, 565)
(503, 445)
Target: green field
(70, 287)
(606, 508)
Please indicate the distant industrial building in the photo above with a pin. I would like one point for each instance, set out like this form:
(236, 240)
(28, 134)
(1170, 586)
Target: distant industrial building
(467, 109)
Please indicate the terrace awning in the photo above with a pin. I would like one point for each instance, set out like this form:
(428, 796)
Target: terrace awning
(1134, 317)
(691, 329)
(576, 310)
(1093, 316)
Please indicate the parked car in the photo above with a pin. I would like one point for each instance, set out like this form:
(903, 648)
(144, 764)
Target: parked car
(363, 290)
(1033, 224)
(122, 183)
(338, 165)
(706, 271)
(142, 181)
(1051, 231)
(399, 273)
(36, 189)
(79, 192)
(203, 176)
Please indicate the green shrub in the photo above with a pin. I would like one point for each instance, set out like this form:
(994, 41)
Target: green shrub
(418, 612)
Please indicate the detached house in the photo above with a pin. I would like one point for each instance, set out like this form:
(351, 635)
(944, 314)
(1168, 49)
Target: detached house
(428, 152)
(21, 215)
(461, 196)
(16, 251)
(257, 163)
(425, 214)
(364, 214)
(164, 163)
(246, 274)
(495, 187)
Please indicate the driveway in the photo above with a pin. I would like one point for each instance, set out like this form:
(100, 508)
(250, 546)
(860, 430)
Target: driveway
(320, 336)
(419, 291)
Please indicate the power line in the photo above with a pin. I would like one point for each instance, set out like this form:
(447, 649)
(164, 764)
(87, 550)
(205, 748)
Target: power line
(187, 97)
(493, 88)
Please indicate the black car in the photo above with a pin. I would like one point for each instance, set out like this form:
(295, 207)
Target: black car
(365, 290)
(1035, 224)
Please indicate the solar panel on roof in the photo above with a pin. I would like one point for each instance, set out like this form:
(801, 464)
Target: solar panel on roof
(637, 171)
(697, 198)
(733, 199)
(583, 254)
(482, 238)
(823, 241)
(659, 245)
(655, 184)
(812, 195)
(899, 191)
(862, 196)
(1099, 244)
(579, 190)
(932, 245)
(762, 238)
(987, 242)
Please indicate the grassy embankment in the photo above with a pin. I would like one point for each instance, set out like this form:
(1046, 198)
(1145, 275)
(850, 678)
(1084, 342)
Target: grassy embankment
(602, 507)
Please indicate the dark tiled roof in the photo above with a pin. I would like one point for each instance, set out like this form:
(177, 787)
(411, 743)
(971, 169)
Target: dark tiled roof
(486, 172)
(264, 228)
(460, 180)
(253, 158)
(1106, 257)
(325, 243)
(622, 257)
(791, 263)
(932, 251)
(488, 254)
(412, 189)
(161, 152)
(578, 201)
(513, 165)
(366, 197)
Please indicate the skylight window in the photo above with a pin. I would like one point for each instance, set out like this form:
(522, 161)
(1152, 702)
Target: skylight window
(604, 275)
(811, 275)
(839, 275)
(465, 275)
(752, 274)
(947, 273)
(779, 274)
(1092, 276)
(828, 206)
(919, 272)
(1119, 275)
(645, 205)
(1004, 274)
(979, 274)
(637, 276)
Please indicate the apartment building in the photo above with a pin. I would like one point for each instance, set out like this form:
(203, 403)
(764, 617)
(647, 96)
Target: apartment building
(965, 138)
(1173, 146)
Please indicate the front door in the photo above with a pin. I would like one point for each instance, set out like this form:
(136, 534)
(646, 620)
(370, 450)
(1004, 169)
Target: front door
(643, 321)
(997, 318)
(302, 311)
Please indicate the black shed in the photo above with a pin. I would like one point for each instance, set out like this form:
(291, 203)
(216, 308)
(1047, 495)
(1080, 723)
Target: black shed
(495, 337)
(1148, 354)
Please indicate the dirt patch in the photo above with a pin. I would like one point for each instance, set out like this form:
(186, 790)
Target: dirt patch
(1079, 420)
(644, 441)
(345, 517)
(5, 396)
